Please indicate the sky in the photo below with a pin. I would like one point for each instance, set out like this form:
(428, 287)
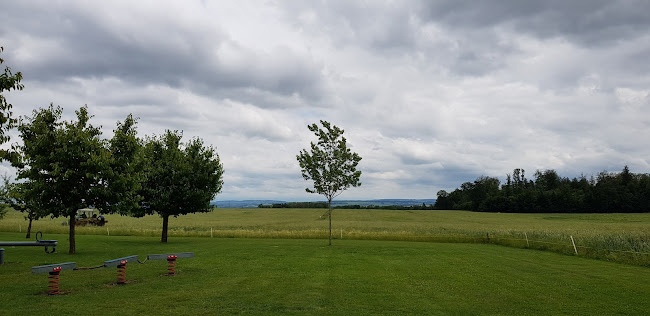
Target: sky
(430, 94)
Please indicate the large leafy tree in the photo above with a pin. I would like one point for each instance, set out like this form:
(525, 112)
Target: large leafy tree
(330, 164)
(8, 81)
(124, 179)
(65, 165)
(178, 178)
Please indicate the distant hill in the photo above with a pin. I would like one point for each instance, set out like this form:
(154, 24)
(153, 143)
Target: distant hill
(243, 203)
(379, 202)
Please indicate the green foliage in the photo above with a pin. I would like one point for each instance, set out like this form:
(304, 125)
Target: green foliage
(178, 178)
(65, 166)
(14, 195)
(330, 164)
(4, 196)
(8, 81)
(126, 163)
(608, 193)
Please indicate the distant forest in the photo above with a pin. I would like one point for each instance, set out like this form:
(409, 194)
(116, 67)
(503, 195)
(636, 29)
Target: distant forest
(347, 206)
(623, 192)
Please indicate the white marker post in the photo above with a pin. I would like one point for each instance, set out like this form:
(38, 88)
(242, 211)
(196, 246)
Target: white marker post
(574, 245)
(527, 244)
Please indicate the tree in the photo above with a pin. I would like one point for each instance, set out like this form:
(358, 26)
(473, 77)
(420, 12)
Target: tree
(126, 175)
(179, 179)
(14, 195)
(443, 202)
(330, 164)
(8, 81)
(65, 165)
(4, 196)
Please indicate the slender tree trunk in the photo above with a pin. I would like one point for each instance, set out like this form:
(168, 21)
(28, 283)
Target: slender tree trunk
(29, 228)
(73, 224)
(163, 238)
(329, 204)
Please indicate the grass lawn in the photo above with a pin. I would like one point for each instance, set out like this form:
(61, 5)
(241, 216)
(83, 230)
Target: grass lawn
(273, 276)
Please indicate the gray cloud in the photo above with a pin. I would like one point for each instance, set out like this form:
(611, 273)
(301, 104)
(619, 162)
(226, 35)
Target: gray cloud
(587, 22)
(430, 93)
(85, 42)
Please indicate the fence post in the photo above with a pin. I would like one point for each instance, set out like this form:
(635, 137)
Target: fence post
(527, 244)
(574, 245)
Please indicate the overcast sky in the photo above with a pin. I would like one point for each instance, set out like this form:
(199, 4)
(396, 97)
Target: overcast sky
(430, 93)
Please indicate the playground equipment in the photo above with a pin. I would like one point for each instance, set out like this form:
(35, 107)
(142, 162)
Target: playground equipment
(54, 270)
(171, 259)
(120, 263)
(39, 242)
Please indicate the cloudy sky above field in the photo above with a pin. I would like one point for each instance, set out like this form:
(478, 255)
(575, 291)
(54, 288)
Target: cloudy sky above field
(430, 93)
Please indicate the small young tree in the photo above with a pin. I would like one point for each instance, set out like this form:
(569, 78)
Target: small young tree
(179, 179)
(330, 164)
(18, 197)
(4, 196)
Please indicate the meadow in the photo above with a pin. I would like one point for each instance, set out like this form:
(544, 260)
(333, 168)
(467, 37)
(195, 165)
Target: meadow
(251, 276)
(623, 238)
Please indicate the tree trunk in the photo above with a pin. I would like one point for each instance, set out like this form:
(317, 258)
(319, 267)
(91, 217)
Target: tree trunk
(329, 204)
(29, 228)
(163, 238)
(73, 224)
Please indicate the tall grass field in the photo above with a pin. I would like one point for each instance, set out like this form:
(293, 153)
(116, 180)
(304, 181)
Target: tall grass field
(623, 238)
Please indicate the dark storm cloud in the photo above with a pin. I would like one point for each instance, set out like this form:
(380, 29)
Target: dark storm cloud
(589, 22)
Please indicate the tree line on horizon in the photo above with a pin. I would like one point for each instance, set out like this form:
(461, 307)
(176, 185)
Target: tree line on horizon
(548, 192)
(347, 207)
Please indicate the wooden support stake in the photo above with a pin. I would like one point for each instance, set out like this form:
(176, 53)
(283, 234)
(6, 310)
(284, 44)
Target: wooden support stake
(211, 235)
(574, 245)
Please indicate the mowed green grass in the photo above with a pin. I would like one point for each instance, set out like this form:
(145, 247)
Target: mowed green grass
(304, 276)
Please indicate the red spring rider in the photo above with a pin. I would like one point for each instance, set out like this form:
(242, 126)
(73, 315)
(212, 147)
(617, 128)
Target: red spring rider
(171, 260)
(53, 287)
